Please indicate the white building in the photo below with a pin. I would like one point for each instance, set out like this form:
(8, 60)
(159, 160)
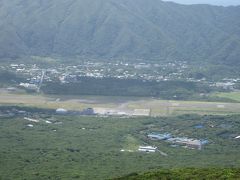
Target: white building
(141, 112)
(61, 111)
(120, 112)
(147, 149)
(29, 86)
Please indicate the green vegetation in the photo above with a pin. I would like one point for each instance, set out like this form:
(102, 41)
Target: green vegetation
(183, 174)
(128, 87)
(130, 143)
(8, 78)
(213, 71)
(58, 33)
(90, 147)
(235, 96)
(109, 29)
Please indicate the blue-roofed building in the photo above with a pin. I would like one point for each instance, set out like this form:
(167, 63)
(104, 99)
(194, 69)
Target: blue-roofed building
(203, 142)
(199, 126)
(181, 141)
(155, 136)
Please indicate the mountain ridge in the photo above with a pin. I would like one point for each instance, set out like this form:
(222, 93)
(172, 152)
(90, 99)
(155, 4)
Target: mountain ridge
(115, 29)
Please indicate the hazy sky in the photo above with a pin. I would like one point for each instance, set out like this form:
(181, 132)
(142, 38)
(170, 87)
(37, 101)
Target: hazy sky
(214, 2)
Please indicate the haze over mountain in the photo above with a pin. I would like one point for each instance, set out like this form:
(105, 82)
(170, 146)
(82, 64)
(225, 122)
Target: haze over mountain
(119, 28)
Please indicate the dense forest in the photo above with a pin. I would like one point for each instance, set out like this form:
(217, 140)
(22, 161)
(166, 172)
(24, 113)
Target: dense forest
(134, 29)
(187, 173)
(127, 87)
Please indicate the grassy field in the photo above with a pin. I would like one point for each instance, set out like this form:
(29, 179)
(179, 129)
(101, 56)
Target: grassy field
(90, 147)
(130, 143)
(232, 95)
(158, 107)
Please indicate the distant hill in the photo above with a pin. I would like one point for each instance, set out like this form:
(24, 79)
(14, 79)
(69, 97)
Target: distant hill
(149, 29)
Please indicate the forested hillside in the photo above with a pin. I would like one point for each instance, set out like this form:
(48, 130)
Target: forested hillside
(187, 173)
(150, 29)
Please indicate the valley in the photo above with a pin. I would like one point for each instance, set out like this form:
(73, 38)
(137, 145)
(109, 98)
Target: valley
(119, 89)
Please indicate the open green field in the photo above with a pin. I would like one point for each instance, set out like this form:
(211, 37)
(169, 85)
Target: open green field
(230, 95)
(157, 107)
(90, 147)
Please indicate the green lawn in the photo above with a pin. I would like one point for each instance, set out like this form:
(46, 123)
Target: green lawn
(130, 143)
(231, 95)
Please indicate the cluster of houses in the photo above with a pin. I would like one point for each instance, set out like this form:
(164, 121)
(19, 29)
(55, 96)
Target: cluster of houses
(118, 69)
(183, 141)
(29, 86)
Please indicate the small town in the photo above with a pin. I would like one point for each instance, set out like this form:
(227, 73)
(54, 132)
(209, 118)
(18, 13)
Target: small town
(34, 75)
